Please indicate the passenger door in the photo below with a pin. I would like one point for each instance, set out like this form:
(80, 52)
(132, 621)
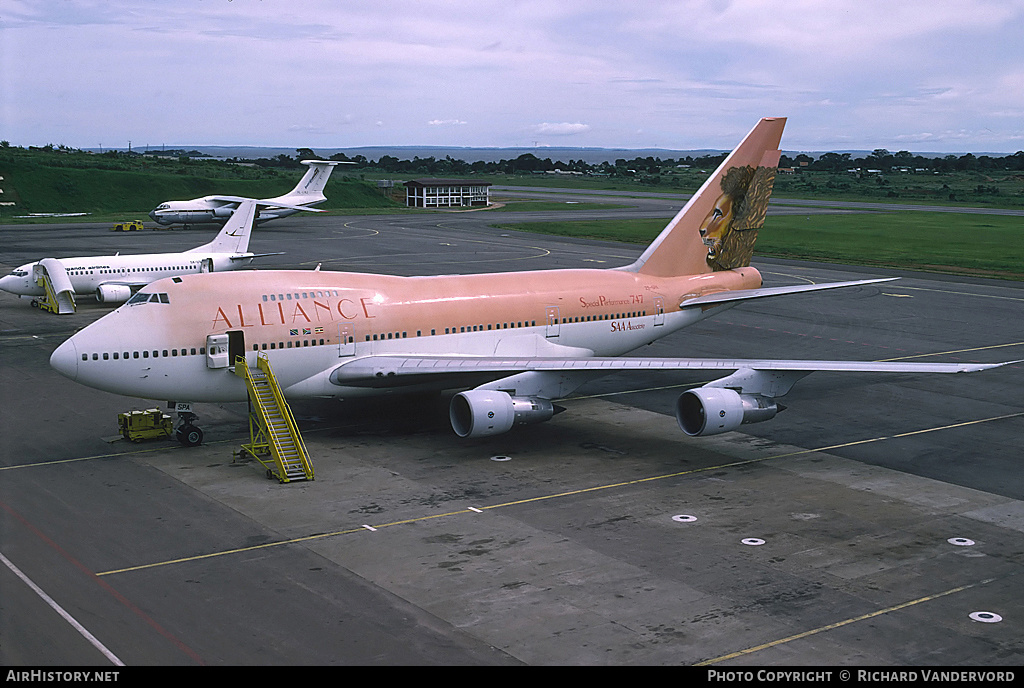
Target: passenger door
(553, 325)
(659, 310)
(217, 351)
(346, 339)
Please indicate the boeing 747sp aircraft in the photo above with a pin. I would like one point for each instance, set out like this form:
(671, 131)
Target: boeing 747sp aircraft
(515, 342)
(113, 279)
(308, 192)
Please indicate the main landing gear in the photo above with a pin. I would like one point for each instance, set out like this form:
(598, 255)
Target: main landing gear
(187, 432)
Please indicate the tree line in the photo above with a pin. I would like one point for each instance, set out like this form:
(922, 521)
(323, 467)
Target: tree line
(881, 159)
(643, 168)
(528, 163)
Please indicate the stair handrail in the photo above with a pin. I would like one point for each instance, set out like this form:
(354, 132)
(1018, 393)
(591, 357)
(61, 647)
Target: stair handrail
(263, 363)
(242, 370)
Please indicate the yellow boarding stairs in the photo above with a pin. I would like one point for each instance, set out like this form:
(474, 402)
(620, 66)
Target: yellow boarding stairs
(50, 274)
(274, 439)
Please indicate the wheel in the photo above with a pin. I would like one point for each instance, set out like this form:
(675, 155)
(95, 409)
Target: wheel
(190, 435)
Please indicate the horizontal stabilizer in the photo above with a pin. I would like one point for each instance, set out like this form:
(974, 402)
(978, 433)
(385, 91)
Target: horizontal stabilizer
(748, 294)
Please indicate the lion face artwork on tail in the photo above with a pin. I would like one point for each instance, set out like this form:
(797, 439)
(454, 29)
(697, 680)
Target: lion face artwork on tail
(716, 224)
(730, 229)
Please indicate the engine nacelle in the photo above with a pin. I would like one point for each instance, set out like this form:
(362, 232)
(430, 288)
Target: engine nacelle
(113, 293)
(223, 212)
(714, 410)
(483, 412)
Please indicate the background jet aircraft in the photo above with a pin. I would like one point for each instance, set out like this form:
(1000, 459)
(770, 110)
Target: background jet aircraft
(308, 192)
(113, 279)
(518, 341)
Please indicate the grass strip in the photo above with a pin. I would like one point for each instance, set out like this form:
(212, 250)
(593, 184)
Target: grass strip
(981, 245)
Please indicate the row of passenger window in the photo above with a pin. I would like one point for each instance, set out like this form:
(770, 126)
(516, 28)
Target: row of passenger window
(117, 355)
(281, 345)
(83, 271)
(145, 354)
(295, 295)
(505, 326)
(313, 342)
(610, 316)
(453, 330)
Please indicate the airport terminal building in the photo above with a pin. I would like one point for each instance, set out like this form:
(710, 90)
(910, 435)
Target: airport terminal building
(446, 193)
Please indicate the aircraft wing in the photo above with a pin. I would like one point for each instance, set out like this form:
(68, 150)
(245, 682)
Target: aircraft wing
(382, 371)
(748, 294)
(247, 256)
(275, 204)
(133, 283)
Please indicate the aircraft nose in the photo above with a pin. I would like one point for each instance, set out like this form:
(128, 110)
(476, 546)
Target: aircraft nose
(152, 215)
(65, 359)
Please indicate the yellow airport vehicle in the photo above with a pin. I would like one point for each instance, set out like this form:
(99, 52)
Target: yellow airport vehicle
(144, 425)
(127, 226)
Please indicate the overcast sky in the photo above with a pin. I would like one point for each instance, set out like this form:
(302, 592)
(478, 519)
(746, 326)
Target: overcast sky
(918, 75)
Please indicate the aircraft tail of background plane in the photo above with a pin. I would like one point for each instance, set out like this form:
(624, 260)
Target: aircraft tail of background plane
(311, 186)
(234, 236)
(717, 228)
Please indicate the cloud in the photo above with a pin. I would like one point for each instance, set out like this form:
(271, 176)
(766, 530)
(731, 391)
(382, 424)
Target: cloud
(601, 73)
(308, 129)
(561, 128)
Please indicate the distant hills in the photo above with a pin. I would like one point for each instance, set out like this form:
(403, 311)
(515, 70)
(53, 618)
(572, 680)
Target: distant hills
(591, 156)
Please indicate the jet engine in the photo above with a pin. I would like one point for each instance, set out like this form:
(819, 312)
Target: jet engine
(223, 212)
(113, 293)
(483, 412)
(714, 410)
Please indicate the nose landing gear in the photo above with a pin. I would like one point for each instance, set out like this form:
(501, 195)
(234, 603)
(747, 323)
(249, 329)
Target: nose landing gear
(187, 432)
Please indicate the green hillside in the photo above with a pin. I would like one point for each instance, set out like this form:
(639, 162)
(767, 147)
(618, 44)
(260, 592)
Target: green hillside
(46, 182)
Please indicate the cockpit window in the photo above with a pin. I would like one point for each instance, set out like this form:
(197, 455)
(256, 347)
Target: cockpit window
(146, 297)
(20, 273)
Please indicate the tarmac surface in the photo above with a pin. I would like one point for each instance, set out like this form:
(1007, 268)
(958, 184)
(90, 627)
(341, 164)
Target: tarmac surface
(865, 525)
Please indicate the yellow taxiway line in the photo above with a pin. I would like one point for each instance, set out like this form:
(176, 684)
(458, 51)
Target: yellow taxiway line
(840, 624)
(558, 495)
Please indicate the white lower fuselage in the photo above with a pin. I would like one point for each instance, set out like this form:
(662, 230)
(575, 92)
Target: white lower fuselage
(88, 273)
(310, 322)
(212, 211)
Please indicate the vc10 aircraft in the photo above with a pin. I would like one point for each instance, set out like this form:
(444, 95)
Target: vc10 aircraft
(515, 342)
(217, 209)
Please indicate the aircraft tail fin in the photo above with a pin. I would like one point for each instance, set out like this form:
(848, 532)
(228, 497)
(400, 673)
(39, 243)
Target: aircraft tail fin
(311, 187)
(717, 228)
(234, 235)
